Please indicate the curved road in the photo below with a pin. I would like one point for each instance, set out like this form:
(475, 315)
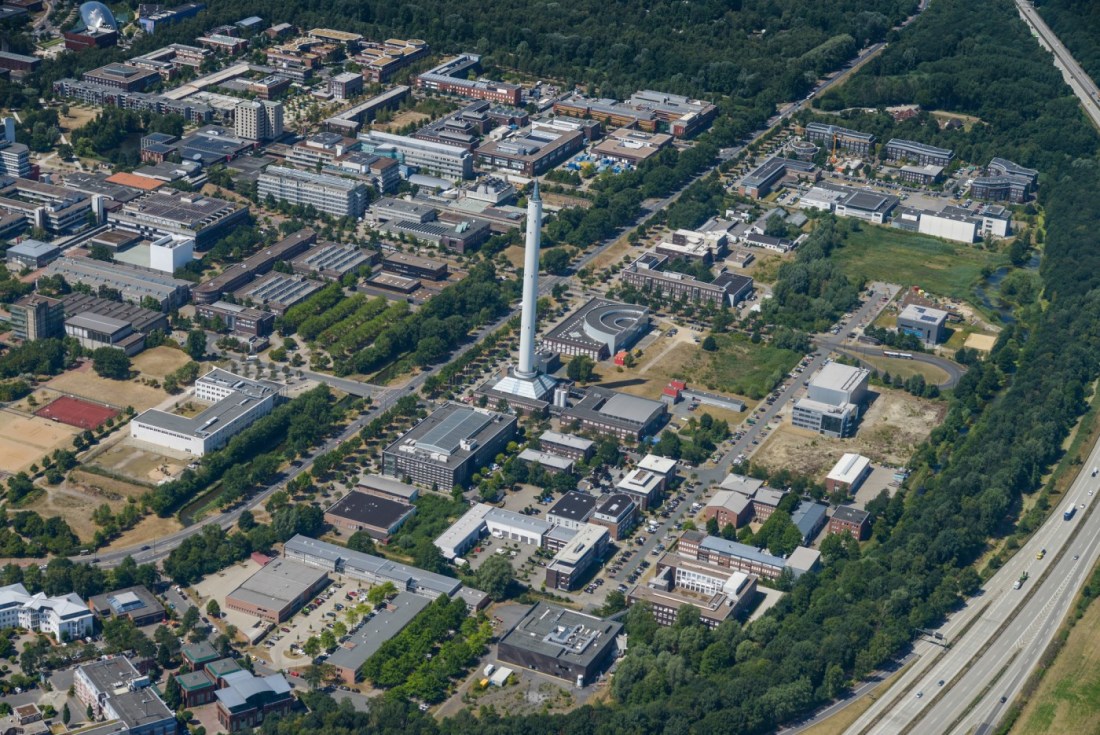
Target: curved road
(954, 370)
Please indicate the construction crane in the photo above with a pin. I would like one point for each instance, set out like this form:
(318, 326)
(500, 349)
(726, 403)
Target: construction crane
(833, 158)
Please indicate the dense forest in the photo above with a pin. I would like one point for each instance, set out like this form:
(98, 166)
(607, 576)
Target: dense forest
(1077, 25)
(969, 56)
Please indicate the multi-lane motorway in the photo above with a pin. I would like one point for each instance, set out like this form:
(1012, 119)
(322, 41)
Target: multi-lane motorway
(996, 640)
(1081, 83)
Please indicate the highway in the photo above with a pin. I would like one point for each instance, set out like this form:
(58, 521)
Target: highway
(1075, 76)
(997, 638)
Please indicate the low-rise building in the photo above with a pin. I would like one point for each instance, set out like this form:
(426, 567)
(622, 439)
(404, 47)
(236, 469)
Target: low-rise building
(277, 590)
(572, 563)
(387, 487)
(65, 617)
(239, 319)
(853, 521)
(332, 261)
(450, 77)
(414, 266)
(483, 519)
(561, 643)
(112, 689)
(630, 146)
(834, 137)
(450, 162)
(277, 292)
(729, 508)
(833, 400)
(759, 182)
(387, 621)
(55, 209)
(378, 516)
(247, 700)
(618, 513)
(532, 152)
(648, 273)
(621, 415)
(717, 594)
(550, 462)
(646, 110)
(742, 557)
(599, 329)
(924, 322)
(32, 254)
(809, 518)
(910, 150)
(193, 216)
(848, 474)
(447, 447)
(572, 510)
(238, 275)
(137, 604)
(567, 445)
(133, 283)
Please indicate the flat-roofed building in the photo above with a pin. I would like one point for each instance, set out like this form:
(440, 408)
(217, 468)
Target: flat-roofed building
(572, 510)
(950, 223)
(387, 621)
(37, 317)
(345, 86)
(348, 121)
(239, 319)
(599, 329)
(833, 399)
(414, 266)
(898, 149)
(15, 159)
(572, 563)
(55, 209)
(368, 568)
(853, 521)
(561, 643)
(530, 153)
(718, 595)
(630, 146)
(277, 590)
(646, 110)
(483, 519)
(450, 162)
(618, 513)
(647, 273)
(850, 141)
(235, 276)
(706, 246)
(191, 215)
(137, 604)
(621, 415)
(387, 487)
(114, 690)
(567, 445)
(1004, 181)
(719, 552)
(643, 486)
(759, 182)
(552, 463)
(122, 76)
(138, 317)
(333, 195)
(450, 77)
(93, 331)
(925, 175)
(451, 230)
(378, 516)
(237, 403)
(446, 448)
(277, 292)
(924, 322)
(848, 473)
(134, 283)
(32, 254)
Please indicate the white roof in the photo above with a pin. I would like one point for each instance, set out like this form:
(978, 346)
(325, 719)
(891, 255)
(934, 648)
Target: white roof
(849, 469)
(65, 606)
(472, 523)
(803, 559)
(741, 484)
(566, 440)
(660, 465)
(730, 500)
(836, 376)
(640, 481)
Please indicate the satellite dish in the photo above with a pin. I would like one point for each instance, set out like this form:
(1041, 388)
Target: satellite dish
(97, 16)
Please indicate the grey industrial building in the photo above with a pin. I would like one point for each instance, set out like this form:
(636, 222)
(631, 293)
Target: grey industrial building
(32, 254)
(378, 516)
(621, 415)
(277, 590)
(447, 447)
(599, 329)
(240, 274)
(202, 218)
(833, 400)
(277, 292)
(561, 643)
(134, 283)
(387, 622)
(759, 182)
(332, 261)
(96, 322)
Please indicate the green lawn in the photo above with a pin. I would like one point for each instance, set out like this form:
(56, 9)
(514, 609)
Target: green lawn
(738, 366)
(896, 256)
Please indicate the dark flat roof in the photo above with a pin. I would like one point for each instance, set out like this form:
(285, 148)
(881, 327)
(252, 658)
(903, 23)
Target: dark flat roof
(370, 510)
(574, 505)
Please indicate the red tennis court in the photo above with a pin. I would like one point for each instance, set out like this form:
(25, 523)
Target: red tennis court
(75, 412)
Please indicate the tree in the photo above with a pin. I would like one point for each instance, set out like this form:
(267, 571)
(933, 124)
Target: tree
(196, 344)
(427, 555)
(361, 541)
(66, 715)
(328, 640)
(110, 362)
(189, 619)
(580, 369)
(709, 344)
(494, 576)
(312, 647)
(172, 695)
(213, 609)
(380, 593)
(313, 675)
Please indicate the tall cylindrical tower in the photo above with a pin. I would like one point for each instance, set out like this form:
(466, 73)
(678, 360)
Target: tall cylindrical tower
(528, 316)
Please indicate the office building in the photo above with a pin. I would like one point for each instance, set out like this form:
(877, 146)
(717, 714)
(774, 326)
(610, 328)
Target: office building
(55, 209)
(848, 474)
(258, 120)
(238, 319)
(866, 205)
(450, 77)
(576, 558)
(716, 593)
(93, 331)
(37, 317)
(122, 77)
(332, 261)
(572, 510)
(833, 399)
(345, 86)
(19, 62)
(646, 110)
(618, 513)
(561, 643)
(834, 137)
(447, 447)
(387, 621)
(530, 153)
(707, 246)
(380, 517)
(925, 175)
(950, 223)
(277, 292)
(277, 590)
(853, 521)
(348, 121)
(152, 18)
(648, 273)
(135, 284)
(137, 604)
(66, 617)
(15, 159)
(194, 216)
(599, 329)
(31, 254)
(924, 322)
(809, 518)
(733, 555)
(759, 182)
(236, 404)
(621, 415)
(1004, 181)
(414, 266)
(384, 174)
(270, 87)
(631, 147)
(333, 195)
(367, 568)
(730, 508)
(247, 700)
(236, 276)
(380, 61)
(909, 150)
(567, 445)
(451, 231)
(114, 690)
(449, 162)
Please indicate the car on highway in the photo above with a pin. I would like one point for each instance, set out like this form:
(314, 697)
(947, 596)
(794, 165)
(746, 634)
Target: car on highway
(1041, 554)
(1004, 699)
(920, 694)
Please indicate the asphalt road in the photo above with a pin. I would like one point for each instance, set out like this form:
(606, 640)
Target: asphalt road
(954, 370)
(997, 638)
(1075, 76)
(713, 473)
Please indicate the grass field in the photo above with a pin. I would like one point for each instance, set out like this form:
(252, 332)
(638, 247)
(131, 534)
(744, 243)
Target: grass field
(83, 383)
(159, 361)
(738, 366)
(907, 368)
(895, 256)
(1068, 698)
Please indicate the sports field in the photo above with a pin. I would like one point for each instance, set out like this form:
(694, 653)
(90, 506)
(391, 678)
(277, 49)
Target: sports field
(24, 440)
(77, 412)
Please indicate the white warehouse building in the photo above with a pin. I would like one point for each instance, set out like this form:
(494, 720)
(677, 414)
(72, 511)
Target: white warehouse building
(66, 617)
(236, 404)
